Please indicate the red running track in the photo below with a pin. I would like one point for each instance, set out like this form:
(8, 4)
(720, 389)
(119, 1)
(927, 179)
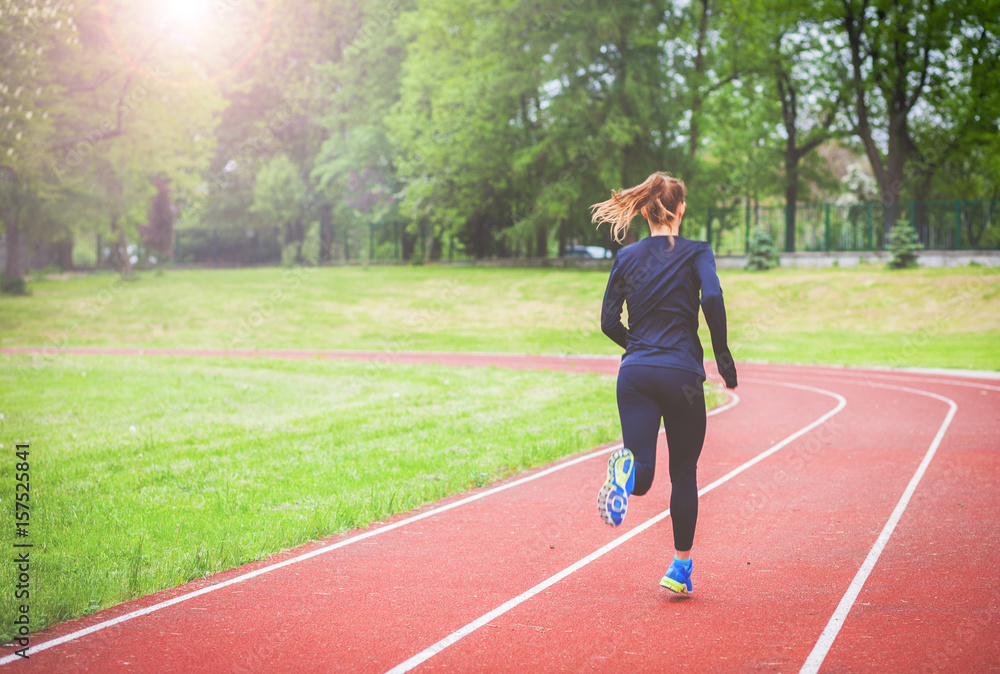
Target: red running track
(847, 523)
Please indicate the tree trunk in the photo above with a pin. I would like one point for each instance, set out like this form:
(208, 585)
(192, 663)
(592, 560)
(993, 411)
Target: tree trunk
(407, 245)
(121, 258)
(64, 251)
(325, 232)
(699, 67)
(541, 242)
(9, 181)
(791, 197)
(888, 172)
(12, 268)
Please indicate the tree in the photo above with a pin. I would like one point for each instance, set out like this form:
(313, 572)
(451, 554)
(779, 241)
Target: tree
(33, 33)
(809, 86)
(959, 145)
(355, 169)
(897, 51)
(111, 106)
(279, 198)
(455, 125)
(277, 106)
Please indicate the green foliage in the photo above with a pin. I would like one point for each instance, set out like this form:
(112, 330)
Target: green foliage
(496, 124)
(763, 255)
(903, 245)
(279, 194)
(279, 199)
(13, 286)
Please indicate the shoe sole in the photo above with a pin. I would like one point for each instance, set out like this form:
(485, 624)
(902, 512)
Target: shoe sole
(609, 501)
(612, 499)
(673, 585)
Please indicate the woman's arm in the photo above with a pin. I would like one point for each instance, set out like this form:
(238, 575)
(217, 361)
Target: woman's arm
(714, 308)
(611, 310)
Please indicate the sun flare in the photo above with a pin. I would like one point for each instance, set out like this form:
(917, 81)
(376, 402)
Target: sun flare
(186, 11)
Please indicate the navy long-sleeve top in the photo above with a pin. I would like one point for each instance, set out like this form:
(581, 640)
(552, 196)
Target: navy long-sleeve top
(662, 285)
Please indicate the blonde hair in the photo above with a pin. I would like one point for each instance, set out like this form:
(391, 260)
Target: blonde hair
(660, 194)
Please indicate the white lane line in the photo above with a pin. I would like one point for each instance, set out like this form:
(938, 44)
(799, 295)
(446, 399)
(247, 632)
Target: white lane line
(907, 374)
(72, 636)
(920, 380)
(826, 639)
(468, 629)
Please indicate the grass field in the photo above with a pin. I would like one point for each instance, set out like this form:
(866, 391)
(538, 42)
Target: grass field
(861, 316)
(147, 473)
(150, 472)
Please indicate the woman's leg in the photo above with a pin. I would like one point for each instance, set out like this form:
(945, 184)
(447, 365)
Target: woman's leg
(683, 408)
(640, 416)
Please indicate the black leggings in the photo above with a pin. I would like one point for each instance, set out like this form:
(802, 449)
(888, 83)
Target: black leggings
(646, 395)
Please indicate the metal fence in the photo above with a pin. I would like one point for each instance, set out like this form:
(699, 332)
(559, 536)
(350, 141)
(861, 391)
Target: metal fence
(940, 225)
(228, 247)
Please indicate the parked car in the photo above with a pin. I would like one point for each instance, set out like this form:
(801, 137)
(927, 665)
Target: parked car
(592, 252)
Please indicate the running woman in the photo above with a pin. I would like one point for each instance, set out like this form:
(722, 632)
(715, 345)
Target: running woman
(661, 374)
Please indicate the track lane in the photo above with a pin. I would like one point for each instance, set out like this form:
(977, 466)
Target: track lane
(375, 580)
(454, 637)
(931, 601)
(772, 559)
(833, 626)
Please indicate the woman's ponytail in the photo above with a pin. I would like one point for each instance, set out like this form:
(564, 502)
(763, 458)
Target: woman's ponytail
(660, 194)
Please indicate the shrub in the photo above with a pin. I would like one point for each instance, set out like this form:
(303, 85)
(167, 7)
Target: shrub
(762, 254)
(13, 286)
(903, 245)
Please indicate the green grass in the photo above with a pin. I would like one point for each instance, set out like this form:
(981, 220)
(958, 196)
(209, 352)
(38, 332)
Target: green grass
(150, 472)
(861, 316)
(867, 316)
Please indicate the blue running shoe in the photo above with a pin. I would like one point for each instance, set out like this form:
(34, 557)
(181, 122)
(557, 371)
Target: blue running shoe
(612, 500)
(678, 577)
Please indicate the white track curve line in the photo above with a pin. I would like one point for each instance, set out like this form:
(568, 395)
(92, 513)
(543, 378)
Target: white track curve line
(909, 374)
(468, 629)
(72, 636)
(906, 377)
(829, 634)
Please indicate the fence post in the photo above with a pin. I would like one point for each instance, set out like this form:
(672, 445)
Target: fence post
(789, 245)
(451, 247)
(826, 229)
(395, 243)
(708, 227)
(957, 241)
(746, 244)
(423, 242)
(868, 234)
(371, 242)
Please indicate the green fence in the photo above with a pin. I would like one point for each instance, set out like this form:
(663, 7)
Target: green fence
(263, 246)
(940, 225)
(228, 247)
